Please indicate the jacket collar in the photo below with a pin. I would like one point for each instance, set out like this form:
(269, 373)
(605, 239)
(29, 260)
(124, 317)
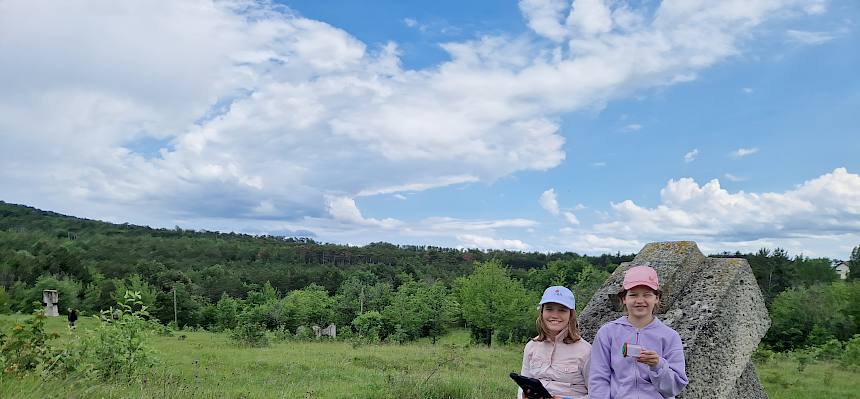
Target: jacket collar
(561, 334)
(624, 322)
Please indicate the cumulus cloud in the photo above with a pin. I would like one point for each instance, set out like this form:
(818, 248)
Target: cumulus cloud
(549, 201)
(263, 114)
(828, 205)
(343, 209)
(544, 17)
(820, 217)
(691, 156)
(571, 218)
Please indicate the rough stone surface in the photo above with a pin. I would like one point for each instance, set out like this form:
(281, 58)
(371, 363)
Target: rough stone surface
(50, 298)
(715, 306)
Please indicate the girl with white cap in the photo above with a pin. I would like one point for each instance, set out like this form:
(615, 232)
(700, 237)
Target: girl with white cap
(558, 356)
(637, 356)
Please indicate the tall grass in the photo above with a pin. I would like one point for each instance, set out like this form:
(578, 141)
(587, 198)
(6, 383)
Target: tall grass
(210, 365)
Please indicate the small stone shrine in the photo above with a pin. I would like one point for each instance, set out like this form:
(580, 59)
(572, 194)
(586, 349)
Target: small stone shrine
(50, 299)
(713, 303)
(330, 331)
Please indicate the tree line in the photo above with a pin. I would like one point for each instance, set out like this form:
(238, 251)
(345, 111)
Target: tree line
(381, 291)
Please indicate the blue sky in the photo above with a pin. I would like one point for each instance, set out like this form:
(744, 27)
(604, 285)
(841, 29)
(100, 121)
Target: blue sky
(538, 125)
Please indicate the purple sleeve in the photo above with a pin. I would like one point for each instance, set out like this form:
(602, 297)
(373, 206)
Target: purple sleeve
(670, 376)
(600, 368)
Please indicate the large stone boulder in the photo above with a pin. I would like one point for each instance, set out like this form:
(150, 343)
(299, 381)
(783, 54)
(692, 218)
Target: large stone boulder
(713, 303)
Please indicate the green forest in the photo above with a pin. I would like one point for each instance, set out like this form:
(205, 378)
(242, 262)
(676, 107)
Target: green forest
(380, 292)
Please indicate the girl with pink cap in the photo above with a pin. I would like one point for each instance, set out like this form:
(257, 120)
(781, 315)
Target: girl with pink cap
(558, 356)
(637, 356)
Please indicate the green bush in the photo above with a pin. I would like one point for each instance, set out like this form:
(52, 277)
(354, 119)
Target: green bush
(226, 313)
(804, 357)
(368, 326)
(304, 332)
(117, 348)
(832, 349)
(5, 301)
(762, 355)
(249, 332)
(25, 348)
(851, 353)
(281, 334)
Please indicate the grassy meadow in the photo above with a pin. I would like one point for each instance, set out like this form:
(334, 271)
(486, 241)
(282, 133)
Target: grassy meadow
(209, 365)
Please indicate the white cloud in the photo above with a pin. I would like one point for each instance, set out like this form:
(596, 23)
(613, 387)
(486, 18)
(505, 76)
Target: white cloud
(400, 196)
(259, 113)
(571, 218)
(588, 243)
(731, 177)
(476, 241)
(633, 127)
(825, 206)
(453, 224)
(810, 38)
(549, 201)
(343, 209)
(743, 152)
(598, 164)
(748, 90)
(590, 17)
(410, 22)
(816, 7)
(691, 156)
(434, 182)
(544, 17)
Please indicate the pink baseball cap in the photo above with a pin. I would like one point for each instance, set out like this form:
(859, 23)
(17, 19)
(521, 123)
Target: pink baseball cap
(641, 275)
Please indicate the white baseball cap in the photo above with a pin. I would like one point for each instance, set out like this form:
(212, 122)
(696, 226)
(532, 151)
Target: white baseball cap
(560, 295)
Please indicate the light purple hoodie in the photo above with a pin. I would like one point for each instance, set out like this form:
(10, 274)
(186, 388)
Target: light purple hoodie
(614, 376)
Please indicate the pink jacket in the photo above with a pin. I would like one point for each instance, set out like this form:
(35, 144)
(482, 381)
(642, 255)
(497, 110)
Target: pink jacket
(561, 368)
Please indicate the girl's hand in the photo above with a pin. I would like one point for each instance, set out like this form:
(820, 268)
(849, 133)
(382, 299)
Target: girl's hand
(649, 357)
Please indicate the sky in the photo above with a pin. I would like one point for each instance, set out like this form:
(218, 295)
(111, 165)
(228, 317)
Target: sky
(593, 126)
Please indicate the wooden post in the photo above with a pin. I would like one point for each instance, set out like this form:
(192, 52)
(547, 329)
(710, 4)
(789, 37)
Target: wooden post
(175, 318)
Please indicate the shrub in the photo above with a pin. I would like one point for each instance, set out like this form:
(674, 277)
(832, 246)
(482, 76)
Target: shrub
(762, 355)
(226, 313)
(832, 349)
(5, 301)
(249, 332)
(851, 353)
(304, 332)
(117, 349)
(804, 357)
(368, 326)
(25, 349)
(281, 334)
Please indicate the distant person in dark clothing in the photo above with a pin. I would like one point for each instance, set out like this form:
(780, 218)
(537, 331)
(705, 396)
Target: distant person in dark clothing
(73, 317)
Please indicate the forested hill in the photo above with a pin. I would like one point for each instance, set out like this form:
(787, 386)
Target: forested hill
(34, 243)
(216, 279)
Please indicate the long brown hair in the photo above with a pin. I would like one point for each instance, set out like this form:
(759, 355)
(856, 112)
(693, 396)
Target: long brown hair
(572, 328)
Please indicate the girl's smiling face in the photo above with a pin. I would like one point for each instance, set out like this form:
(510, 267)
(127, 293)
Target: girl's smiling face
(556, 317)
(640, 302)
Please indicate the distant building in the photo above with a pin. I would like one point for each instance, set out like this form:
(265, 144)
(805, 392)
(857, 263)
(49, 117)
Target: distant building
(842, 270)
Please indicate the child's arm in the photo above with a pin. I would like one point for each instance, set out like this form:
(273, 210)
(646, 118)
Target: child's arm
(524, 371)
(599, 367)
(669, 375)
(585, 369)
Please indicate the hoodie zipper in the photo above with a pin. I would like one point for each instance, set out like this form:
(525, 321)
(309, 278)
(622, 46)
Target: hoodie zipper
(636, 368)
